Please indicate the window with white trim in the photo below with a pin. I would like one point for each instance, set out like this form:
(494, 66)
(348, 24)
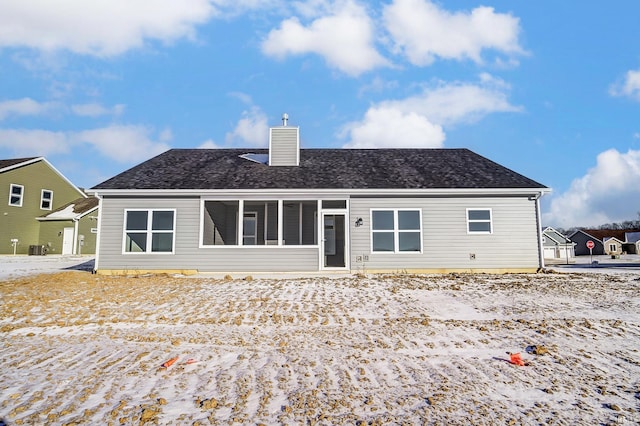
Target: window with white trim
(613, 247)
(16, 192)
(149, 231)
(46, 199)
(396, 231)
(479, 221)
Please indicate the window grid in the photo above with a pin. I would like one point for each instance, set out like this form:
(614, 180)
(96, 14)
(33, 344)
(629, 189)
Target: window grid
(16, 194)
(396, 231)
(46, 199)
(479, 221)
(149, 231)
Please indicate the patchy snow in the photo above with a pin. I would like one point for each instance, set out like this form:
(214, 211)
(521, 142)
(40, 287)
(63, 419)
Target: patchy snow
(86, 349)
(66, 213)
(20, 265)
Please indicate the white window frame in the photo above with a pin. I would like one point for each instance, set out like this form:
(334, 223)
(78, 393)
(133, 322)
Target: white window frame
(149, 231)
(396, 231)
(490, 221)
(11, 194)
(253, 216)
(613, 247)
(43, 199)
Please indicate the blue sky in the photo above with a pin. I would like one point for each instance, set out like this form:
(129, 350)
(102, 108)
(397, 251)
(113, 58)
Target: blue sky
(550, 89)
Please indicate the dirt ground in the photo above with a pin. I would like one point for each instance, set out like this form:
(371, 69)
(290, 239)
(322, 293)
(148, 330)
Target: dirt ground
(84, 349)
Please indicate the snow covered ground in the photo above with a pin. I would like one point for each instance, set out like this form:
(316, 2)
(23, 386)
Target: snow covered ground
(85, 349)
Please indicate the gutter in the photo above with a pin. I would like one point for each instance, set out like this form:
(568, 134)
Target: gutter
(535, 193)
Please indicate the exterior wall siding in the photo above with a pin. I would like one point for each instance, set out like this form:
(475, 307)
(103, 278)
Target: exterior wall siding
(513, 244)
(284, 149)
(446, 245)
(188, 253)
(20, 222)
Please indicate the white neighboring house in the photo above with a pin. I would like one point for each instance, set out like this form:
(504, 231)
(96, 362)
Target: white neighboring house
(556, 246)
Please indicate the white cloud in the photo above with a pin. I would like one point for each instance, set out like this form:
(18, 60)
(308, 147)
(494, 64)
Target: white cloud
(388, 127)
(419, 121)
(630, 87)
(344, 38)
(252, 129)
(607, 193)
(25, 106)
(98, 27)
(423, 31)
(124, 144)
(29, 143)
(96, 110)
(28, 106)
(208, 144)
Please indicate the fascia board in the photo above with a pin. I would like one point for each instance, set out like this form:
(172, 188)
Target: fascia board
(318, 192)
(44, 160)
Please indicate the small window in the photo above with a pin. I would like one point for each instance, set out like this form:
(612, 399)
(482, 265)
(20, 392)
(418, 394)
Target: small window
(479, 221)
(46, 199)
(396, 231)
(334, 204)
(149, 231)
(613, 247)
(16, 193)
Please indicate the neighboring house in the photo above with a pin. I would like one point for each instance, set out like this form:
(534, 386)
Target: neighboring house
(612, 245)
(31, 188)
(607, 241)
(290, 210)
(580, 238)
(632, 242)
(76, 222)
(556, 245)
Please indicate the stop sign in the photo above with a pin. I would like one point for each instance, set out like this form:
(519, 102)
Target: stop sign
(590, 244)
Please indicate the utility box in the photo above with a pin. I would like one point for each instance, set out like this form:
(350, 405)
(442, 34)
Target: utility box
(36, 250)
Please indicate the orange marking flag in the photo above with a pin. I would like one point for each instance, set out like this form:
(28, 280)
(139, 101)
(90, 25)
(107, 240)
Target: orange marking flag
(516, 359)
(170, 362)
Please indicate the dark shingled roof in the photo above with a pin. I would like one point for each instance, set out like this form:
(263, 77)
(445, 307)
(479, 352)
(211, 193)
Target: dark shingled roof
(80, 206)
(321, 169)
(14, 161)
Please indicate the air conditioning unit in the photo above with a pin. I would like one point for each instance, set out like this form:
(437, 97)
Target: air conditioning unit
(35, 250)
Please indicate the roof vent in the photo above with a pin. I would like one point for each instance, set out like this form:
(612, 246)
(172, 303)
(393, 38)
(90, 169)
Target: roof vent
(285, 118)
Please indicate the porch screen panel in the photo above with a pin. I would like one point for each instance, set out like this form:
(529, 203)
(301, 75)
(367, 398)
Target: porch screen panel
(300, 222)
(220, 223)
(267, 221)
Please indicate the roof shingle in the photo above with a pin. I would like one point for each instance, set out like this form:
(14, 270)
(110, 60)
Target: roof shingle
(321, 169)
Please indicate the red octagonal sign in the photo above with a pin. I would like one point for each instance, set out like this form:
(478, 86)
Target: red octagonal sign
(590, 244)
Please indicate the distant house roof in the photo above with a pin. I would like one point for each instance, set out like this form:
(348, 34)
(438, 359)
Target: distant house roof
(73, 210)
(602, 234)
(556, 236)
(321, 169)
(632, 237)
(13, 162)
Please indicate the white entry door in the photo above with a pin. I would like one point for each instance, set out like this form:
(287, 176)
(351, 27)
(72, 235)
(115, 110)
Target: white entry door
(67, 241)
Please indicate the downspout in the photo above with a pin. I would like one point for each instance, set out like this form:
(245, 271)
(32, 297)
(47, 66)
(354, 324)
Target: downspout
(74, 250)
(536, 199)
(97, 254)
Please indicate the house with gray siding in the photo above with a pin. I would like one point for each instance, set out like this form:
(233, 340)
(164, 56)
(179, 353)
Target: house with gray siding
(286, 209)
(556, 245)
